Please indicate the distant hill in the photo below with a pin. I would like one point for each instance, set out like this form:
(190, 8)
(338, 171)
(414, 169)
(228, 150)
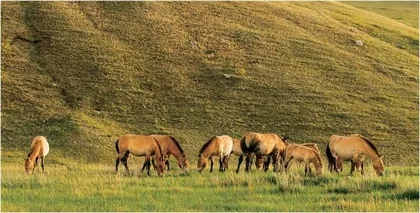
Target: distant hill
(84, 73)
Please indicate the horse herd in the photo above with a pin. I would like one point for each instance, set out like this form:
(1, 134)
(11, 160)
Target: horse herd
(264, 147)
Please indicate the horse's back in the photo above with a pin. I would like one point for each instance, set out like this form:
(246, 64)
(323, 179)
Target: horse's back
(137, 145)
(227, 144)
(237, 150)
(42, 142)
(346, 146)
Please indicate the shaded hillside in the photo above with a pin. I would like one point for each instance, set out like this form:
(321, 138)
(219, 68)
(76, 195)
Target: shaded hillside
(84, 73)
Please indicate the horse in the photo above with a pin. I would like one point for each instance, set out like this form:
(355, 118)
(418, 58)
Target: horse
(238, 152)
(303, 154)
(39, 149)
(217, 146)
(268, 145)
(170, 147)
(139, 145)
(353, 148)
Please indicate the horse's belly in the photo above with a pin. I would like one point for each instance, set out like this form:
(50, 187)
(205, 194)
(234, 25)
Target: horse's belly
(345, 154)
(137, 151)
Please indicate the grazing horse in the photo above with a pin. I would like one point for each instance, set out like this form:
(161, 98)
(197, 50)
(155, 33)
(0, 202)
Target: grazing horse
(237, 150)
(305, 155)
(139, 145)
(268, 145)
(169, 147)
(353, 148)
(39, 149)
(217, 146)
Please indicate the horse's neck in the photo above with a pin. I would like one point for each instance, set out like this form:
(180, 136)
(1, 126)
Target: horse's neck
(34, 152)
(371, 153)
(175, 151)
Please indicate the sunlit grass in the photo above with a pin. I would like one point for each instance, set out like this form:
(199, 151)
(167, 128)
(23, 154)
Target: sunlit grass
(86, 187)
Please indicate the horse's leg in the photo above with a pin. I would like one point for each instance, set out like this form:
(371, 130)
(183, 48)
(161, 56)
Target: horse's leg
(287, 164)
(211, 163)
(248, 162)
(352, 168)
(36, 164)
(241, 158)
(42, 163)
(124, 160)
(226, 161)
(363, 171)
(221, 167)
(267, 163)
(275, 163)
(117, 163)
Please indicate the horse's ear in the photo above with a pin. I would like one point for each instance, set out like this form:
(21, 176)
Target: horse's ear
(200, 155)
(183, 155)
(382, 157)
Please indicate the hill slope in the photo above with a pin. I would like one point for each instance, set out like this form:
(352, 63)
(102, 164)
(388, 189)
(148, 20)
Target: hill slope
(84, 73)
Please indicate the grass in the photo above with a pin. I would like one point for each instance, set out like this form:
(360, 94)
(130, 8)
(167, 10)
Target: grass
(404, 12)
(95, 187)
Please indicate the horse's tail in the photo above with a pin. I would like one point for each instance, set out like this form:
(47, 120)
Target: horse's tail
(117, 147)
(329, 154)
(243, 145)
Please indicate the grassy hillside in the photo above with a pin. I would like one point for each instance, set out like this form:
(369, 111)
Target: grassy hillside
(84, 73)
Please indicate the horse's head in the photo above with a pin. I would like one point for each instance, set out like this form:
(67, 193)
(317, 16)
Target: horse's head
(378, 165)
(183, 163)
(202, 162)
(259, 162)
(339, 164)
(161, 165)
(320, 170)
(29, 165)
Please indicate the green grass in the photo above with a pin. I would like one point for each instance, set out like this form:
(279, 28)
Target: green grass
(103, 69)
(406, 12)
(95, 187)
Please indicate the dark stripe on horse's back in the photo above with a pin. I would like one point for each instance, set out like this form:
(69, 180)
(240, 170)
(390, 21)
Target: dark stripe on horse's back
(177, 144)
(116, 146)
(371, 145)
(204, 147)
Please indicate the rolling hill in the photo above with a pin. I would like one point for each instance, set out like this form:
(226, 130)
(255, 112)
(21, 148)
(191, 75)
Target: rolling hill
(84, 73)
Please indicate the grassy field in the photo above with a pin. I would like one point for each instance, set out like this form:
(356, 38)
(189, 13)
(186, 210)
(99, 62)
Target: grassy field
(404, 12)
(94, 187)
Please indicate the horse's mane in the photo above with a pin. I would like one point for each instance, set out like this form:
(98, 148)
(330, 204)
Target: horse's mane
(177, 144)
(206, 145)
(371, 145)
(317, 156)
(160, 149)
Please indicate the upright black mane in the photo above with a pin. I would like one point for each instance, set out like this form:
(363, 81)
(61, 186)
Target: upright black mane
(177, 144)
(371, 145)
(206, 145)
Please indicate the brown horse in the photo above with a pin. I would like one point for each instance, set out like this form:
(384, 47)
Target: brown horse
(217, 146)
(353, 148)
(268, 145)
(169, 147)
(39, 149)
(140, 145)
(304, 155)
(237, 150)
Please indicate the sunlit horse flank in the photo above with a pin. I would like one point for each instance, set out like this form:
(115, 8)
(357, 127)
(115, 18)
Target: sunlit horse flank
(217, 146)
(169, 147)
(305, 155)
(237, 150)
(268, 145)
(316, 148)
(39, 149)
(139, 145)
(354, 148)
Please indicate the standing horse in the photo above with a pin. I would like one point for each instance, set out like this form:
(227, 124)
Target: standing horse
(237, 150)
(303, 154)
(217, 146)
(268, 145)
(353, 148)
(139, 145)
(169, 147)
(39, 149)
